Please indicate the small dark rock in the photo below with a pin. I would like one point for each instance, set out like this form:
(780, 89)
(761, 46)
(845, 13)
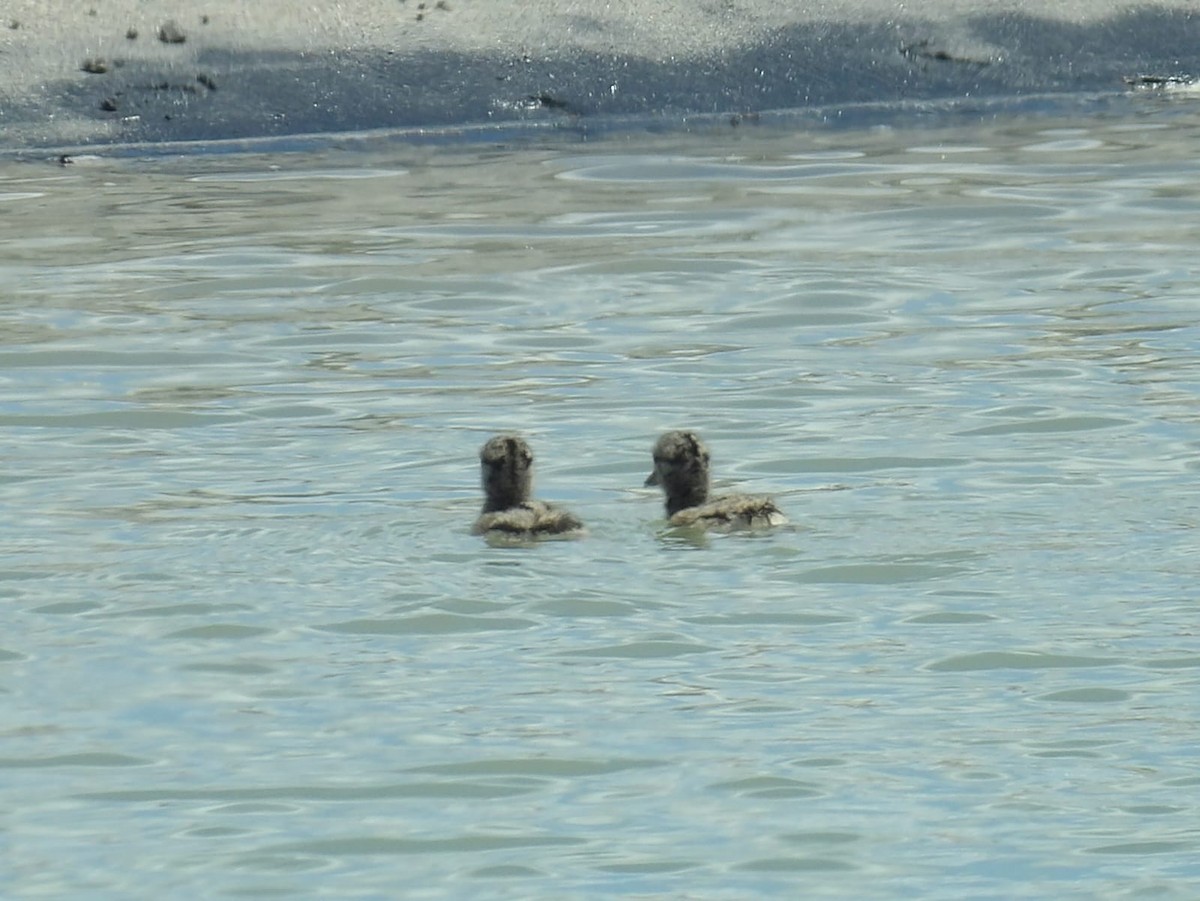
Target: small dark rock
(109, 104)
(94, 66)
(924, 50)
(14, 24)
(207, 81)
(170, 33)
(1144, 82)
(65, 160)
(204, 20)
(131, 33)
(549, 101)
(442, 5)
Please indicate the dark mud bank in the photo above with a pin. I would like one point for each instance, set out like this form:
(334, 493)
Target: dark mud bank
(219, 93)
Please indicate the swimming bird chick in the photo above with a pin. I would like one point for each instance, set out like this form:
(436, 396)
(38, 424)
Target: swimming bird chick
(507, 468)
(681, 468)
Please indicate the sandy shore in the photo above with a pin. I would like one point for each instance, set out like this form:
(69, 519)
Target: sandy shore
(145, 70)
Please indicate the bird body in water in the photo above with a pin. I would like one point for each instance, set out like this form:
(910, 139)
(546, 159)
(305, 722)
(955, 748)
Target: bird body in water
(681, 468)
(506, 463)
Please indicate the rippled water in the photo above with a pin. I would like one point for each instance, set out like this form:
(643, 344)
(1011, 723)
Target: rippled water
(250, 649)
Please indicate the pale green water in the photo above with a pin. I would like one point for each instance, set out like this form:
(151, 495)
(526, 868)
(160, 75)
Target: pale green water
(250, 650)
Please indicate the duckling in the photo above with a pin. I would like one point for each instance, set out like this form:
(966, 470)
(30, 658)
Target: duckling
(507, 465)
(681, 468)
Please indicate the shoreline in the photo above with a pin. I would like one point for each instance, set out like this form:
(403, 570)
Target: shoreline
(225, 74)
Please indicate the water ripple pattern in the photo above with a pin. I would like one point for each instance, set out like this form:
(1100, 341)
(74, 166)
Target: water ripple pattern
(251, 650)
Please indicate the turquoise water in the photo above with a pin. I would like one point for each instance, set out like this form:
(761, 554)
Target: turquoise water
(250, 649)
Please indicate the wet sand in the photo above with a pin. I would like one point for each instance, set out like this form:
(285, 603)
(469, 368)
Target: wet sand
(129, 71)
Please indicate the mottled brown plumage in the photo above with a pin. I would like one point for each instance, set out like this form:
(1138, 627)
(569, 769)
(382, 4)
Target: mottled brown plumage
(506, 464)
(681, 463)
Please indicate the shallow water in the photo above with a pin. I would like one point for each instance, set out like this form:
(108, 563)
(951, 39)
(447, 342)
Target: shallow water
(249, 645)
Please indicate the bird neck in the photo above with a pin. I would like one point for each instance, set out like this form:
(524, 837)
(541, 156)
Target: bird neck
(684, 496)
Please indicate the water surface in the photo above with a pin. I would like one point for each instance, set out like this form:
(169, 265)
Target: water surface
(249, 645)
